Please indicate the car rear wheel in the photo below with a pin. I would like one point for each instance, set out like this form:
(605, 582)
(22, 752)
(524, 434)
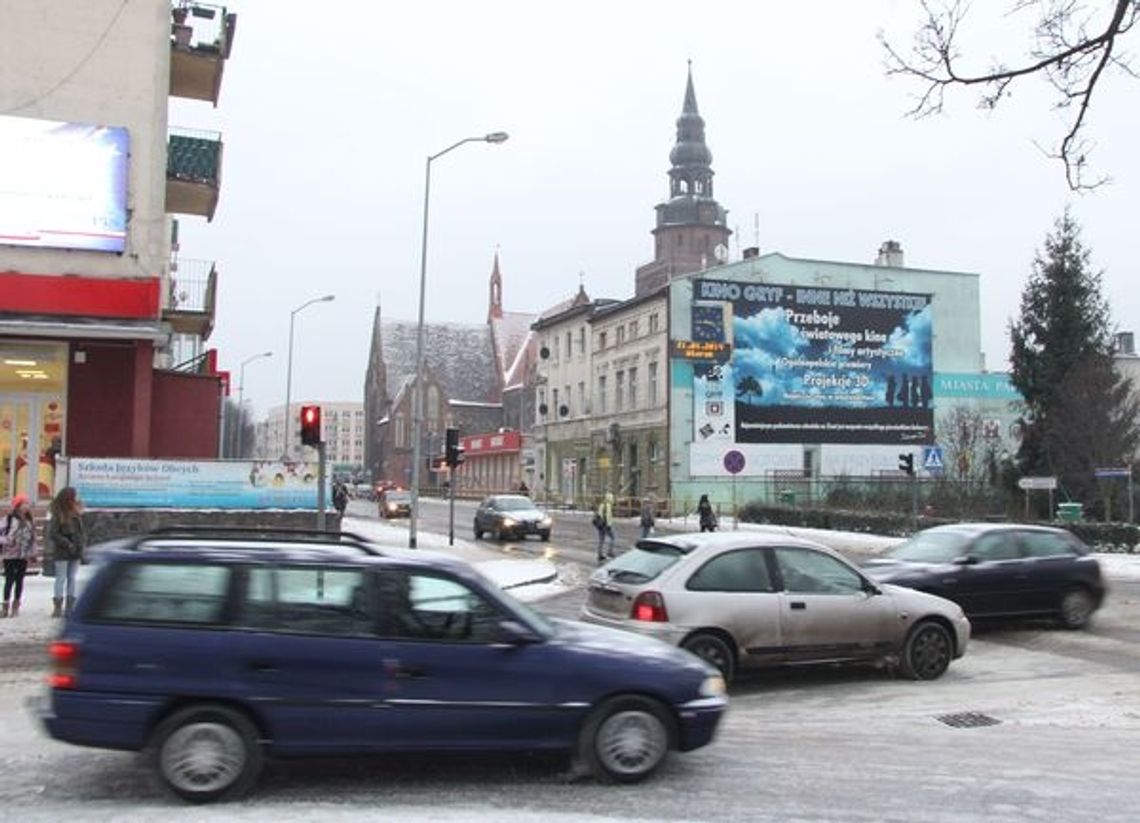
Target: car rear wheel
(714, 650)
(1076, 608)
(206, 753)
(927, 652)
(626, 739)
(478, 531)
(545, 536)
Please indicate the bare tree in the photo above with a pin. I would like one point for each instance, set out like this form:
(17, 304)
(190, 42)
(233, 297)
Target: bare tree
(1073, 47)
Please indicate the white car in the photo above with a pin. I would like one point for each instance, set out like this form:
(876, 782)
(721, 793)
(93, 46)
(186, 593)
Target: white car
(746, 599)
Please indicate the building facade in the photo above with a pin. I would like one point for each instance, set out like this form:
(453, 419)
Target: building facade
(97, 311)
(342, 428)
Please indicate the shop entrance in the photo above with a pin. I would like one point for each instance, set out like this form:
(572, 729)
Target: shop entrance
(32, 376)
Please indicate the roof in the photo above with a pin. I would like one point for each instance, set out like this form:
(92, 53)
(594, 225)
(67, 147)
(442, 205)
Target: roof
(460, 356)
(511, 330)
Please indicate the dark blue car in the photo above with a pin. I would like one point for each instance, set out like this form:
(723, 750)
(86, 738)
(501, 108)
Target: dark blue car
(212, 653)
(999, 570)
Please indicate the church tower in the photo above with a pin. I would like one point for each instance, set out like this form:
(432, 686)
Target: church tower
(495, 299)
(691, 225)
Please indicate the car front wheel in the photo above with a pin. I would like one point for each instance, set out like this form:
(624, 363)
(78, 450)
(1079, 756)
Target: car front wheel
(626, 739)
(478, 531)
(714, 650)
(206, 753)
(1076, 609)
(927, 652)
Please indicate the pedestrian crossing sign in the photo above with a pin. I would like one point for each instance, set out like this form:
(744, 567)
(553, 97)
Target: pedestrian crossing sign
(932, 459)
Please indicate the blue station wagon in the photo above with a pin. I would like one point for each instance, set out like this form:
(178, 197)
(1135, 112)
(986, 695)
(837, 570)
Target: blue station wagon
(211, 651)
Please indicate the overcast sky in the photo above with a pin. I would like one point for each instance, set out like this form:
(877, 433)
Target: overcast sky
(329, 110)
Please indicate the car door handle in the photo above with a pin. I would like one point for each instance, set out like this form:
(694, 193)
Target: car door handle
(798, 605)
(262, 666)
(407, 673)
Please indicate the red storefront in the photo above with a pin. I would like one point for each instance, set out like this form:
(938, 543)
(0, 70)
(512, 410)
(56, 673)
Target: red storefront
(491, 462)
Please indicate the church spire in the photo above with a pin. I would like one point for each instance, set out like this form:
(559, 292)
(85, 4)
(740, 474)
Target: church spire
(495, 304)
(692, 173)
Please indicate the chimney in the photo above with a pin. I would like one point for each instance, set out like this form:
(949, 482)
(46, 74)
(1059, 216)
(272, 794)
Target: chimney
(750, 252)
(890, 254)
(1125, 343)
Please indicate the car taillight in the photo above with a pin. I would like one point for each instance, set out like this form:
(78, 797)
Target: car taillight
(650, 606)
(65, 660)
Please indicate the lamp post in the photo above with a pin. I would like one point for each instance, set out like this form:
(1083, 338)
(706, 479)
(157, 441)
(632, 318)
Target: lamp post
(417, 392)
(288, 450)
(238, 427)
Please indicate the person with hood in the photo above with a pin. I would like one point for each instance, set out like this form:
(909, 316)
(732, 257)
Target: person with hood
(65, 541)
(648, 518)
(604, 523)
(18, 539)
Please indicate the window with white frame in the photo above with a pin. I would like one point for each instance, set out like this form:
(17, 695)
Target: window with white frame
(581, 397)
(620, 335)
(581, 341)
(651, 397)
(602, 394)
(653, 323)
(601, 340)
(619, 390)
(633, 387)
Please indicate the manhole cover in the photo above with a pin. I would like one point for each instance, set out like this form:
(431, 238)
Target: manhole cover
(967, 720)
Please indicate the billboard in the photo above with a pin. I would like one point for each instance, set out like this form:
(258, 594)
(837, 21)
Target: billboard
(813, 365)
(113, 483)
(63, 185)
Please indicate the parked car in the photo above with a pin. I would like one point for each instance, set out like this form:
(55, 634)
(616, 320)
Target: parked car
(395, 503)
(508, 516)
(753, 599)
(999, 570)
(212, 651)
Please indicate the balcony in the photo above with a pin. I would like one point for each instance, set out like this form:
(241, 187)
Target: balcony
(190, 302)
(193, 172)
(200, 38)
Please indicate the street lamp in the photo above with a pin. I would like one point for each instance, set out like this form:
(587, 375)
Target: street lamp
(289, 367)
(241, 398)
(417, 393)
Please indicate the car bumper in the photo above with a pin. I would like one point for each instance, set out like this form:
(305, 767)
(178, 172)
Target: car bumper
(673, 635)
(961, 635)
(697, 722)
(104, 721)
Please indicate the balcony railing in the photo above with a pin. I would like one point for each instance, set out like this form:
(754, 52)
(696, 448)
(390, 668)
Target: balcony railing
(192, 295)
(201, 35)
(193, 172)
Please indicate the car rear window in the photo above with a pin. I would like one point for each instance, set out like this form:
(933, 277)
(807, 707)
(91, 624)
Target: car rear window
(643, 563)
(192, 593)
(932, 547)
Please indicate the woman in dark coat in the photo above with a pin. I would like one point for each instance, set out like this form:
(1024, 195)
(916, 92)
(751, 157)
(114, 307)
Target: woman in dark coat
(707, 515)
(64, 542)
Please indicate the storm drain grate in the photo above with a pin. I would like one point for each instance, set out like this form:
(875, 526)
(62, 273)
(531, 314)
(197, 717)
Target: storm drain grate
(967, 720)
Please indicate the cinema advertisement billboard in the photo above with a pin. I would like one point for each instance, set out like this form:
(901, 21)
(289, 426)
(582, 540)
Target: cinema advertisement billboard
(814, 365)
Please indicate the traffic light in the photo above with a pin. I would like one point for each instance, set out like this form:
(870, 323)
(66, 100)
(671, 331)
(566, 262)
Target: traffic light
(906, 463)
(310, 425)
(454, 454)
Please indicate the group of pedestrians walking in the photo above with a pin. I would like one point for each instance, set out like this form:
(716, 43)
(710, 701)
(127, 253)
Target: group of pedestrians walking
(604, 521)
(64, 542)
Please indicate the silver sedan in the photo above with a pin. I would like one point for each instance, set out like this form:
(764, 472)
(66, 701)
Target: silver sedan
(747, 599)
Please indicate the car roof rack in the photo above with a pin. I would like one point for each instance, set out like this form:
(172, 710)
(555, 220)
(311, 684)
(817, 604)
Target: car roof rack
(263, 534)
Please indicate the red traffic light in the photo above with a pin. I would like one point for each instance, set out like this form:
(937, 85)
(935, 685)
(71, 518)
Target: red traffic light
(310, 425)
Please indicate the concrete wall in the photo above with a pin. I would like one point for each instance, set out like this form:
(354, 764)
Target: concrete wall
(102, 62)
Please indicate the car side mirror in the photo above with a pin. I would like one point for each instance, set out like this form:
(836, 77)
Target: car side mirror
(966, 560)
(871, 589)
(514, 633)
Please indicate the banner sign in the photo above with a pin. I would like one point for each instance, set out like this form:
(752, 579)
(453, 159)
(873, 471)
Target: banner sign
(194, 484)
(814, 365)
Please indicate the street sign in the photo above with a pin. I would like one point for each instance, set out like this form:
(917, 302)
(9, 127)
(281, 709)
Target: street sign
(1037, 483)
(1113, 472)
(734, 462)
(932, 459)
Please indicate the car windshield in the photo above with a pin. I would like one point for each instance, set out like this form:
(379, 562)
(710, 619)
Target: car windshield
(932, 547)
(513, 504)
(643, 563)
(398, 497)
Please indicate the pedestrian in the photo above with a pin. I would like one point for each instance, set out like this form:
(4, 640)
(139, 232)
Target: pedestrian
(604, 523)
(706, 513)
(65, 541)
(340, 496)
(647, 517)
(18, 538)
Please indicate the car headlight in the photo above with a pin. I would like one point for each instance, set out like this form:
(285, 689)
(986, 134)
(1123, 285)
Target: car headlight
(713, 686)
(508, 521)
(546, 521)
